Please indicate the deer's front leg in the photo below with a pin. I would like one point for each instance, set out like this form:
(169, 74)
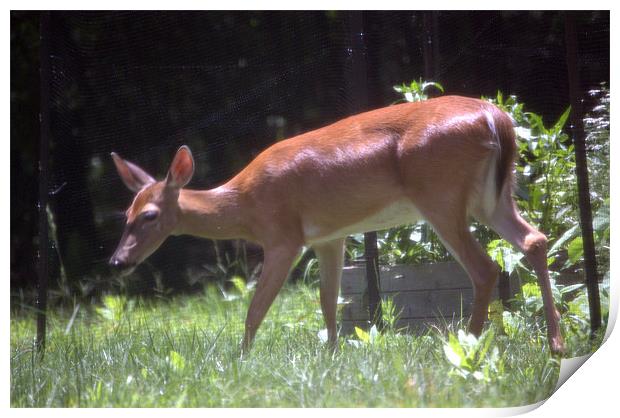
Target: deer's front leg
(276, 266)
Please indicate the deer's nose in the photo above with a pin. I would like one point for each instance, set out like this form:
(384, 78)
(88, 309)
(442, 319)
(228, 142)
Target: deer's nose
(115, 263)
(119, 265)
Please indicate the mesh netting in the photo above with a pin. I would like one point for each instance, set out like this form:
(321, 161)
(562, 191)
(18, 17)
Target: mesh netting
(230, 84)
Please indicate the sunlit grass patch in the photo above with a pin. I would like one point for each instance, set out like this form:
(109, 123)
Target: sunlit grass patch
(186, 352)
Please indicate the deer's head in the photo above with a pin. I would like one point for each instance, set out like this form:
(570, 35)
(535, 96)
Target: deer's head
(153, 214)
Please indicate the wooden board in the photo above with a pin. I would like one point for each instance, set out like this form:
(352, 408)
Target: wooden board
(415, 304)
(413, 325)
(405, 277)
(423, 294)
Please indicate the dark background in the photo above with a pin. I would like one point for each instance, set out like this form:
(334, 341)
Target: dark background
(228, 84)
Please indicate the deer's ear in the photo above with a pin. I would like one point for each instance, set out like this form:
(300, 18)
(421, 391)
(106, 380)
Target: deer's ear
(133, 176)
(181, 170)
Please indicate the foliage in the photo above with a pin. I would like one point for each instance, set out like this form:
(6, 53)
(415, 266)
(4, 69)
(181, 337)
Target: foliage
(545, 169)
(370, 337)
(596, 125)
(571, 300)
(115, 308)
(242, 289)
(416, 90)
(549, 197)
(390, 314)
(547, 172)
(473, 357)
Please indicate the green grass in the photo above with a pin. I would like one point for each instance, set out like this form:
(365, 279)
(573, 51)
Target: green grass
(185, 352)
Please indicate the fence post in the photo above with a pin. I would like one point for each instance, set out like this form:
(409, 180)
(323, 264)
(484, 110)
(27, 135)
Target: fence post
(581, 162)
(44, 77)
(428, 57)
(503, 288)
(359, 96)
(428, 46)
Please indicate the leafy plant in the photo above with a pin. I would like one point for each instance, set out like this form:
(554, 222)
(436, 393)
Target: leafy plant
(390, 314)
(242, 288)
(370, 337)
(115, 308)
(473, 357)
(504, 255)
(416, 90)
(545, 170)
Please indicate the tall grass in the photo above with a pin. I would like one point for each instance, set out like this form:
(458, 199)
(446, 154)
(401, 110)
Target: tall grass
(186, 352)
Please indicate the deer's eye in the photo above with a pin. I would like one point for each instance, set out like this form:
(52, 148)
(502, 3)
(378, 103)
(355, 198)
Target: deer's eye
(150, 215)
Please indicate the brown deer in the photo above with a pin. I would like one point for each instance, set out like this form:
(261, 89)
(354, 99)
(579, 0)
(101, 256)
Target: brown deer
(444, 160)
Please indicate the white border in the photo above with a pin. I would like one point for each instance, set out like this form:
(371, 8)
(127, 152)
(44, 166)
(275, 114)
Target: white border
(592, 391)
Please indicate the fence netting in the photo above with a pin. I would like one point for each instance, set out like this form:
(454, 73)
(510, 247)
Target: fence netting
(229, 84)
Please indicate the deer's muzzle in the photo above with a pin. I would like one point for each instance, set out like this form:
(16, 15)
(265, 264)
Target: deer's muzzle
(121, 267)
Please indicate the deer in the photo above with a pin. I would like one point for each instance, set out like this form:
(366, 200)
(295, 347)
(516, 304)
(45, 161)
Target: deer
(445, 161)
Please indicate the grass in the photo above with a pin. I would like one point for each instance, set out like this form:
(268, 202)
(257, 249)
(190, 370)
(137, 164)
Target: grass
(185, 352)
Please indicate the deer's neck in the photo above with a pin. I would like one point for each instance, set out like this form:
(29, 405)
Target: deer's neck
(215, 213)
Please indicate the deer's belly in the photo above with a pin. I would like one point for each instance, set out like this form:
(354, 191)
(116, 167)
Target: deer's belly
(398, 213)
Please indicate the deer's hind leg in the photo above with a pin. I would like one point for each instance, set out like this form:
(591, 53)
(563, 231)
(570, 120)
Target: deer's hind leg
(508, 223)
(449, 220)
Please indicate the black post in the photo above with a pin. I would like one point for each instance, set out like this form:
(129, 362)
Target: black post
(427, 46)
(585, 210)
(42, 285)
(503, 288)
(429, 75)
(359, 97)
(371, 253)
(435, 45)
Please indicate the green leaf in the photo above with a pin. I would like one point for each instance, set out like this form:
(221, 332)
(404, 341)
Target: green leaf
(453, 351)
(432, 84)
(570, 233)
(239, 284)
(512, 260)
(486, 340)
(524, 133)
(580, 306)
(562, 121)
(494, 248)
(478, 375)
(177, 361)
(530, 290)
(601, 219)
(575, 250)
(456, 344)
(571, 288)
(373, 333)
(362, 335)
(536, 121)
(452, 356)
